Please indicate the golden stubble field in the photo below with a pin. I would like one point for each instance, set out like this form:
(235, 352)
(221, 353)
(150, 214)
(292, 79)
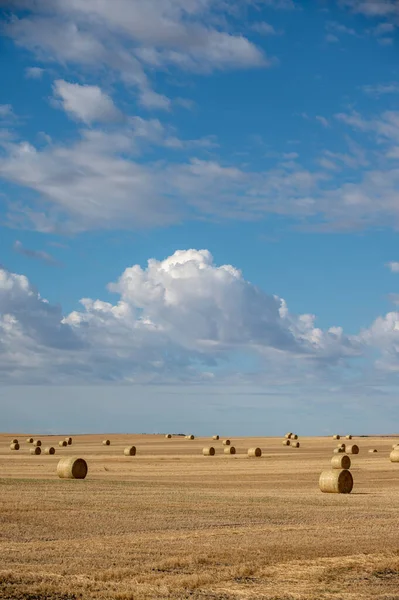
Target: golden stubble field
(171, 523)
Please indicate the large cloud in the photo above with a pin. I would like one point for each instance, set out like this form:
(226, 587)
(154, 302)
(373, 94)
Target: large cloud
(128, 37)
(178, 319)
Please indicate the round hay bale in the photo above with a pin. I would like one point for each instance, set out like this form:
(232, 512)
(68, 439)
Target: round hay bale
(286, 442)
(37, 443)
(230, 450)
(394, 456)
(343, 446)
(373, 450)
(352, 449)
(29, 440)
(49, 450)
(68, 440)
(341, 462)
(394, 446)
(295, 444)
(14, 441)
(215, 437)
(255, 452)
(336, 437)
(294, 436)
(336, 482)
(106, 442)
(62, 443)
(348, 437)
(14, 446)
(226, 442)
(72, 468)
(288, 436)
(338, 450)
(168, 436)
(36, 450)
(208, 451)
(130, 451)
(189, 437)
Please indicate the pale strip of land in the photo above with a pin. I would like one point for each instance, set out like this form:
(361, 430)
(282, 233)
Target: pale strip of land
(171, 523)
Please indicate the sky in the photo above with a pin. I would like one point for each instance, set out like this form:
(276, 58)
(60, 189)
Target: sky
(199, 212)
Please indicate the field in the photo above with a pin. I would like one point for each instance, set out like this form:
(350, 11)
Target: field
(171, 523)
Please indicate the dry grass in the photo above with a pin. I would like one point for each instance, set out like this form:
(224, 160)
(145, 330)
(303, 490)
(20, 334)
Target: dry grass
(173, 525)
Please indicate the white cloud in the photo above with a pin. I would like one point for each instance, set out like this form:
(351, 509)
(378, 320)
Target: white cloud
(381, 89)
(325, 122)
(6, 111)
(394, 266)
(88, 103)
(264, 28)
(331, 38)
(172, 319)
(128, 37)
(372, 8)
(34, 72)
(386, 126)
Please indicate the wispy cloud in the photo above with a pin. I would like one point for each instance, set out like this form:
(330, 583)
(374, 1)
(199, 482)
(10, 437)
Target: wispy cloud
(381, 89)
(36, 254)
(34, 72)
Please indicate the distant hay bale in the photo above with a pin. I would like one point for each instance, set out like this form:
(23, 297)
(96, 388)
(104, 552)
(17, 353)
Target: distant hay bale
(373, 450)
(14, 446)
(394, 456)
(49, 450)
(106, 442)
(294, 436)
(168, 436)
(336, 482)
(341, 462)
(226, 442)
(36, 450)
(336, 437)
(29, 440)
(352, 449)
(295, 444)
(348, 437)
(255, 452)
(230, 450)
(62, 443)
(72, 468)
(130, 451)
(215, 437)
(286, 442)
(394, 446)
(14, 441)
(338, 450)
(37, 443)
(208, 451)
(189, 437)
(288, 436)
(68, 440)
(343, 446)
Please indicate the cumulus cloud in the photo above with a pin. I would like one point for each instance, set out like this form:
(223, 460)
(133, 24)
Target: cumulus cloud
(393, 266)
(87, 103)
(177, 319)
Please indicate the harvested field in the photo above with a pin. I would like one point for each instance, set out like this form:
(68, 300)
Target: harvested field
(174, 524)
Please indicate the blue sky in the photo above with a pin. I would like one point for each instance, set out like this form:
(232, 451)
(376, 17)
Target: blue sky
(250, 151)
